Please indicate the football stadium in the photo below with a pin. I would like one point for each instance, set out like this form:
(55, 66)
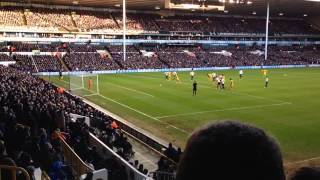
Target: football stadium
(160, 89)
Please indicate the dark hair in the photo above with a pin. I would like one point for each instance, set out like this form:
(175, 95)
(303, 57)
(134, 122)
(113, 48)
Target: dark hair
(231, 150)
(306, 173)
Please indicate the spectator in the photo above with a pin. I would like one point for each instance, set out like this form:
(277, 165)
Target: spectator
(307, 173)
(231, 150)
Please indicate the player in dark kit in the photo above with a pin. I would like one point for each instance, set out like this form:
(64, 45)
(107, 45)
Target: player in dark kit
(266, 82)
(60, 75)
(194, 91)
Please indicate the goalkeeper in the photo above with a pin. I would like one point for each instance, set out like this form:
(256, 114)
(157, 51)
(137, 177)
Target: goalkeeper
(90, 83)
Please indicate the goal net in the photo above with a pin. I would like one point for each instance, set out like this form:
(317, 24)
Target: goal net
(84, 84)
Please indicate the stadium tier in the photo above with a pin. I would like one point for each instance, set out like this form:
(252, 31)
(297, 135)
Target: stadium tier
(53, 19)
(87, 58)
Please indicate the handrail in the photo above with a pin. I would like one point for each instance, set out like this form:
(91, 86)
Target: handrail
(14, 170)
(99, 144)
(45, 176)
(71, 156)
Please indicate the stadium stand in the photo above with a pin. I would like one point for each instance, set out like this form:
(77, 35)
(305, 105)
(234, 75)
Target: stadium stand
(86, 57)
(53, 19)
(24, 63)
(27, 137)
(47, 63)
(5, 57)
(89, 62)
(94, 20)
(11, 16)
(49, 18)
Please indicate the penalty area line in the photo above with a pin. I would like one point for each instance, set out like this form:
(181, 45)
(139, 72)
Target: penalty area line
(144, 114)
(90, 95)
(221, 110)
(137, 111)
(130, 89)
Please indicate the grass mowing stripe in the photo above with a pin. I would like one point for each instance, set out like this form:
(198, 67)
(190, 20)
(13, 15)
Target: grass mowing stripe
(130, 89)
(230, 92)
(221, 110)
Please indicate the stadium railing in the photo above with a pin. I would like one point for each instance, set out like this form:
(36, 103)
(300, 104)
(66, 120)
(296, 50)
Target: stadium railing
(45, 176)
(134, 174)
(14, 170)
(79, 166)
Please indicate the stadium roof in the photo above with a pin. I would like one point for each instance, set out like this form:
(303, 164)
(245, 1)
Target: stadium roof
(240, 7)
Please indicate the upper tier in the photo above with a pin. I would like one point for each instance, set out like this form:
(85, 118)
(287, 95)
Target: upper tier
(71, 20)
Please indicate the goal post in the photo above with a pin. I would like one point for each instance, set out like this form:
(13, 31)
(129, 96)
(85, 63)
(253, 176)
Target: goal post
(84, 84)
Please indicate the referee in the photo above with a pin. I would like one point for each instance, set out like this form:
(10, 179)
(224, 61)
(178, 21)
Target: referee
(194, 91)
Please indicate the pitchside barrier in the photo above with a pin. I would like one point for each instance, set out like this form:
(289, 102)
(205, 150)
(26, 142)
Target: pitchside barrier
(79, 73)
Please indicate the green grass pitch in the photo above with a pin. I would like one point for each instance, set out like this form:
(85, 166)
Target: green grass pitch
(289, 108)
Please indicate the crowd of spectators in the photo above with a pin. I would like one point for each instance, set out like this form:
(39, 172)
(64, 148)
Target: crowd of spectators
(11, 16)
(49, 18)
(138, 21)
(33, 64)
(5, 57)
(32, 109)
(94, 20)
(135, 58)
(98, 20)
(89, 62)
(237, 56)
(24, 63)
(86, 58)
(47, 63)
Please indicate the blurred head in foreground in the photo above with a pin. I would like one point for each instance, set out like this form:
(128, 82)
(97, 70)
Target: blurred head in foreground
(231, 150)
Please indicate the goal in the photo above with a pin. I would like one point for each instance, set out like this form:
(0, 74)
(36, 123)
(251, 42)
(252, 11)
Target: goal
(84, 84)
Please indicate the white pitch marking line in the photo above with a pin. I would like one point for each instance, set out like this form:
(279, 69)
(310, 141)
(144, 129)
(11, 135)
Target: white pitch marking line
(135, 110)
(303, 161)
(258, 97)
(89, 95)
(133, 90)
(221, 110)
(144, 114)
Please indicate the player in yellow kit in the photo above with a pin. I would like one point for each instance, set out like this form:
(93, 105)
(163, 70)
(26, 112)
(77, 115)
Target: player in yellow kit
(264, 72)
(231, 83)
